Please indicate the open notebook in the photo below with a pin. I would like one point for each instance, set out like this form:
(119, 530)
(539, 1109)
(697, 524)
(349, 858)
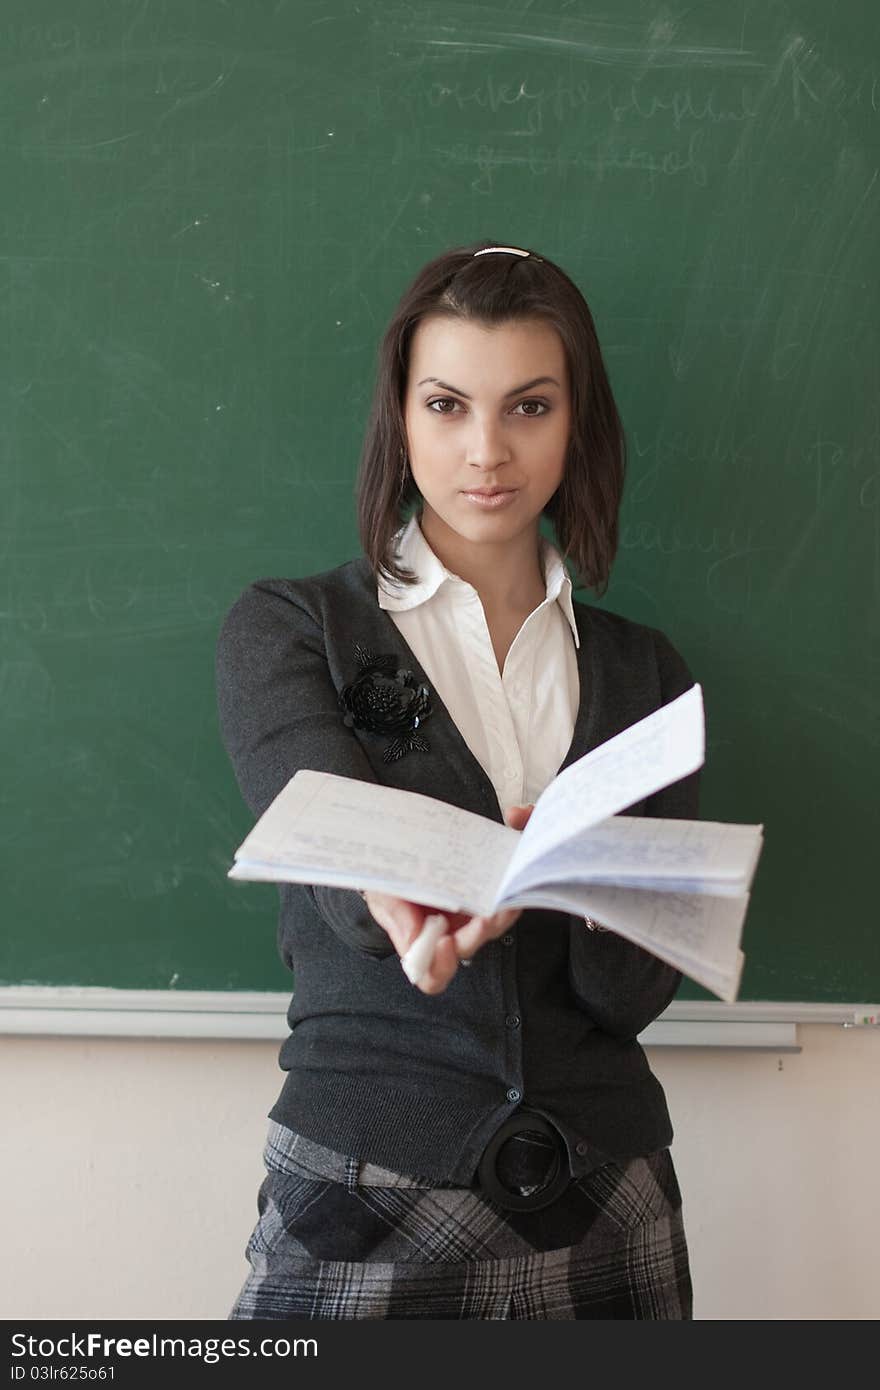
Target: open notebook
(678, 888)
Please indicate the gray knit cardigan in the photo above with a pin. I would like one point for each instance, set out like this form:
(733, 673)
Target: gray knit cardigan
(547, 1016)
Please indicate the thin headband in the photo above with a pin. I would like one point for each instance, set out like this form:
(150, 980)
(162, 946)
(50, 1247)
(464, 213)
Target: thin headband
(511, 250)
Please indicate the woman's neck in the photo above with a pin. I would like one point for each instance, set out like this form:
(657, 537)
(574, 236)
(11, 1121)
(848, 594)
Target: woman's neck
(508, 577)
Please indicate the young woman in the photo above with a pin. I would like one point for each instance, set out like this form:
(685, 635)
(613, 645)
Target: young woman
(489, 1142)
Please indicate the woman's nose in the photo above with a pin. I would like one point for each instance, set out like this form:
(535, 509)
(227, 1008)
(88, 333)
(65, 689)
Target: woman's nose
(487, 446)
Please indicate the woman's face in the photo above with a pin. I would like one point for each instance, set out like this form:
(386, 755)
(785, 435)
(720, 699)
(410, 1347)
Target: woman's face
(488, 419)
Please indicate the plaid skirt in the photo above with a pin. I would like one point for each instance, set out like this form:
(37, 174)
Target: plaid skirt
(340, 1239)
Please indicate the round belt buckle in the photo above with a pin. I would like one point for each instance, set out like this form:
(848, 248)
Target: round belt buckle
(515, 1201)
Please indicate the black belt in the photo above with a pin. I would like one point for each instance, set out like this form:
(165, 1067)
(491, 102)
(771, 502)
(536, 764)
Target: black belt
(529, 1173)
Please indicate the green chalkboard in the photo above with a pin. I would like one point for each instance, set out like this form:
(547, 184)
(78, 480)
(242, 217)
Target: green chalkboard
(209, 211)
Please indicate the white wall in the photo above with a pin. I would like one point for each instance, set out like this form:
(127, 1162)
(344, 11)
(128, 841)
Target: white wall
(130, 1171)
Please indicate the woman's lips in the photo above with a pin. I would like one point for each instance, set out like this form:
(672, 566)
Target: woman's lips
(490, 499)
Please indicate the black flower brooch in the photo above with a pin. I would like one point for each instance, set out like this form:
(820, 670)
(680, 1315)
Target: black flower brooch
(383, 699)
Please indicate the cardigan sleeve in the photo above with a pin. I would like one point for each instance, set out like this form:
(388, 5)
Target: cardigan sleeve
(279, 712)
(620, 985)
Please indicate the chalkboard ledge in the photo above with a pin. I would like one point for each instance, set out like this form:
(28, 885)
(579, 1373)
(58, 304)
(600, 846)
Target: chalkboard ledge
(34, 1010)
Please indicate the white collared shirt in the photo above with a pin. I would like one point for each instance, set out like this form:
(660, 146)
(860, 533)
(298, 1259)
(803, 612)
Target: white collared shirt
(517, 723)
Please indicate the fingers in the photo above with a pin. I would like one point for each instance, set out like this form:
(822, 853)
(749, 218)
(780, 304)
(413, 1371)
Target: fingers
(475, 933)
(517, 817)
(417, 960)
(432, 945)
(442, 969)
(401, 919)
(431, 961)
(420, 937)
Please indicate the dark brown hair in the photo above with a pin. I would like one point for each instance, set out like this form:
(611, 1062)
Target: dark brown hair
(494, 289)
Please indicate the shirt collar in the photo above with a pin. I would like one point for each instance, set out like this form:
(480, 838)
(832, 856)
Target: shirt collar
(416, 555)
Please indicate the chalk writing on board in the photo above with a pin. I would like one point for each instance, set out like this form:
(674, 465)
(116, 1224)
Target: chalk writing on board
(52, 37)
(844, 472)
(812, 81)
(651, 456)
(719, 558)
(561, 100)
(677, 539)
(601, 155)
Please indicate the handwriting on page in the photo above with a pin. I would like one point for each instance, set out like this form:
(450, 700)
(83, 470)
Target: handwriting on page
(335, 829)
(699, 935)
(647, 852)
(649, 755)
(693, 926)
(695, 934)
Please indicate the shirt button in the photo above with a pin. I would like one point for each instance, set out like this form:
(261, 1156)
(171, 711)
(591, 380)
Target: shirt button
(513, 1095)
(507, 939)
(582, 1148)
(513, 1020)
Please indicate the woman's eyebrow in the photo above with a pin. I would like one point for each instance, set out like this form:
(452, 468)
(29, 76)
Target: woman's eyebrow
(526, 386)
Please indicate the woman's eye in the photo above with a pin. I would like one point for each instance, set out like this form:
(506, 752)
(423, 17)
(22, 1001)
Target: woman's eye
(440, 401)
(533, 414)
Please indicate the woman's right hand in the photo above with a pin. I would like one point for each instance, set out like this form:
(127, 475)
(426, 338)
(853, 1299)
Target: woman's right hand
(403, 921)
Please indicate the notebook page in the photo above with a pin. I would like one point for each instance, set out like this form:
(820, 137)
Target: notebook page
(649, 755)
(698, 935)
(650, 852)
(323, 828)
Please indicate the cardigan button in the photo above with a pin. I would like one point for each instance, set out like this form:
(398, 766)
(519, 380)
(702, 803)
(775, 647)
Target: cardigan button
(582, 1148)
(513, 1020)
(507, 939)
(513, 1095)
